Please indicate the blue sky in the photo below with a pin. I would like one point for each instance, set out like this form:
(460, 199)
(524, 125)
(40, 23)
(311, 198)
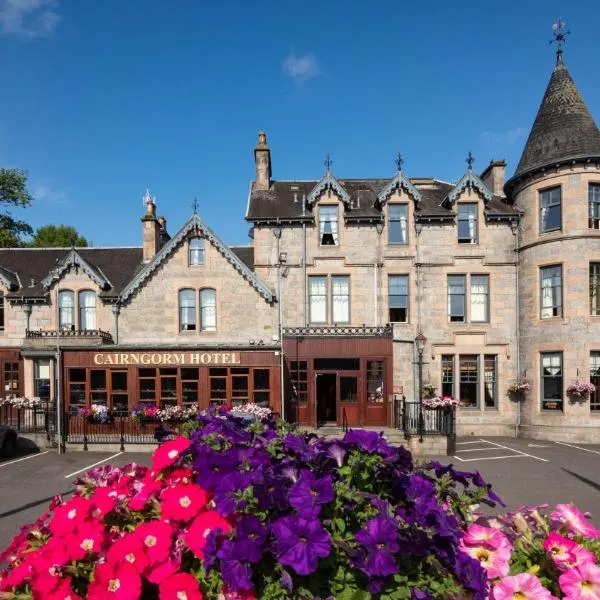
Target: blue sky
(102, 99)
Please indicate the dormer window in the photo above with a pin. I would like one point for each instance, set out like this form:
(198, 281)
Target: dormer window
(397, 223)
(467, 223)
(196, 251)
(328, 225)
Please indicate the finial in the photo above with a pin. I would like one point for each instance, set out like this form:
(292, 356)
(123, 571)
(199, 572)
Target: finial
(262, 139)
(399, 162)
(328, 163)
(560, 32)
(195, 206)
(470, 160)
(148, 199)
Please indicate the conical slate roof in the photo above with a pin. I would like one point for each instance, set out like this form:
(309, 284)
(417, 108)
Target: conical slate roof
(563, 128)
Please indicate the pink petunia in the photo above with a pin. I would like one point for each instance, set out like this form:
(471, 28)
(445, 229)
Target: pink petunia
(131, 549)
(182, 502)
(89, 538)
(238, 595)
(560, 548)
(180, 475)
(169, 453)
(115, 581)
(580, 555)
(477, 535)
(157, 537)
(204, 523)
(158, 572)
(493, 560)
(178, 586)
(581, 582)
(143, 493)
(570, 516)
(69, 516)
(62, 592)
(523, 586)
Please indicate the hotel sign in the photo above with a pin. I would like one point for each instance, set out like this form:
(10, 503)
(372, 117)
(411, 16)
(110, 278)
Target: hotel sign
(167, 358)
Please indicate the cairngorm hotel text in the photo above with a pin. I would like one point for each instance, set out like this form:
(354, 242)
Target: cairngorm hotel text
(167, 358)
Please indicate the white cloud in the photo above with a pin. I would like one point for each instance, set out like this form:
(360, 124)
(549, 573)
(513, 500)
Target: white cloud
(43, 193)
(28, 18)
(510, 136)
(301, 68)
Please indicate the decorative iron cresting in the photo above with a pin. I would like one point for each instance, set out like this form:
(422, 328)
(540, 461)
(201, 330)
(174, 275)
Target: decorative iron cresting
(339, 331)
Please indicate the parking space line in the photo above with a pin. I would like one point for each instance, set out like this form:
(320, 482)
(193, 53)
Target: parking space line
(513, 450)
(93, 465)
(479, 450)
(493, 457)
(12, 462)
(577, 447)
(463, 443)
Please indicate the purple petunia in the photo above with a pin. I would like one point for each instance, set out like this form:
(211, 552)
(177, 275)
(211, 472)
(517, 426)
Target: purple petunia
(300, 543)
(309, 493)
(379, 540)
(236, 573)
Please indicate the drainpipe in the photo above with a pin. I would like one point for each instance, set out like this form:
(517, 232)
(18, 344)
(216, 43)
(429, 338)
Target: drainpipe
(304, 282)
(27, 311)
(116, 310)
(277, 234)
(514, 226)
(418, 229)
(376, 269)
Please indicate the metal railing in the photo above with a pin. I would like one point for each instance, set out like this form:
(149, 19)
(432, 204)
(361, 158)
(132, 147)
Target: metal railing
(409, 417)
(69, 333)
(26, 420)
(339, 331)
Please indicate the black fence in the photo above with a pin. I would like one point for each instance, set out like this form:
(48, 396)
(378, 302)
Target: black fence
(414, 419)
(38, 419)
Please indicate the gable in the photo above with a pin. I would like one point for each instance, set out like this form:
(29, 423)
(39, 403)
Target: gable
(328, 183)
(75, 260)
(469, 181)
(195, 225)
(399, 182)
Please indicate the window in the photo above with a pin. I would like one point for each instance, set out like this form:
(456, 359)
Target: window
(594, 205)
(261, 392)
(550, 218)
(328, 225)
(317, 293)
(595, 289)
(595, 379)
(66, 310)
(119, 396)
(189, 386)
(551, 291)
(98, 389)
(77, 384)
(187, 310)
(552, 381)
(447, 375)
(467, 223)
(87, 310)
(299, 380)
(397, 223)
(208, 309)
(456, 298)
(469, 381)
(340, 294)
(196, 251)
(398, 298)
(480, 295)
(1, 311)
(147, 386)
(41, 383)
(11, 379)
(490, 380)
(375, 389)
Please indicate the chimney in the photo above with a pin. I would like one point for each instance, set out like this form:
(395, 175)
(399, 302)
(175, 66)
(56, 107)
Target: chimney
(493, 177)
(150, 229)
(262, 160)
(164, 235)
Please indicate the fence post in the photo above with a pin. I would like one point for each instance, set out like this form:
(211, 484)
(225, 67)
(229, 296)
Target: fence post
(18, 419)
(122, 429)
(85, 445)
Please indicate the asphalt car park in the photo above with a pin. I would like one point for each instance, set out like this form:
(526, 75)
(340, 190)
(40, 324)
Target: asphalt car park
(521, 472)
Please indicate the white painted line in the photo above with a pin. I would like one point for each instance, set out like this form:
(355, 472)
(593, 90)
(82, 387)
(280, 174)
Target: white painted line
(494, 457)
(90, 466)
(479, 450)
(578, 448)
(517, 451)
(462, 443)
(12, 462)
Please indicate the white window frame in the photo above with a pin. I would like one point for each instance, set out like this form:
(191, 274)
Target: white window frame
(467, 212)
(398, 223)
(208, 309)
(395, 301)
(187, 309)
(320, 298)
(551, 294)
(340, 299)
(196, 251)
(484, 297)
(87, 310)
(455, 276)
(594, 205)
(548, 202)
(329, 219)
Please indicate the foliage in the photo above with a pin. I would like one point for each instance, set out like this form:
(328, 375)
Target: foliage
(249, 510)
(537, 555)
(520, 388)
(96, 413)
(20, 402)
(13, 192)
(580, 390)
(57, 236)
(440, 402)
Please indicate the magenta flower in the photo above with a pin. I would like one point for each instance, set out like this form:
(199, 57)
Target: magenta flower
(570, 516)
(522, 586)
(560, 548)
(300, 543)
(478, 535)
(581, 582)
(580, 555)
(493, 560)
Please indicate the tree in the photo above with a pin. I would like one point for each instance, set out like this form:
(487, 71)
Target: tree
(57, 236)
(13, 192)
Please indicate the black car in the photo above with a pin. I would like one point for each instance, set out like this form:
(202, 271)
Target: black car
(8, 442)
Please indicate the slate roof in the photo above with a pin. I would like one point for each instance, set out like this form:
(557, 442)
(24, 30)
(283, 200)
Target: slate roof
(33, 265)
(563, 128)
(286, 200)
(245, 254)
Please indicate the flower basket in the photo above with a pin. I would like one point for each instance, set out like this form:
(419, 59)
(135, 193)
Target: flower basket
(518, 390)
(429, 390)
(579, 391)
(96, 414)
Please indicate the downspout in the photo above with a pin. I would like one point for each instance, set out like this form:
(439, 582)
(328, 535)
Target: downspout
(116, 310)
(418, 230)
(376, 269)
(277, 234)
(304, 281)
(514, 226)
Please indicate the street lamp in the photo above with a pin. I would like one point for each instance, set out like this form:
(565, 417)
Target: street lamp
(420, 342)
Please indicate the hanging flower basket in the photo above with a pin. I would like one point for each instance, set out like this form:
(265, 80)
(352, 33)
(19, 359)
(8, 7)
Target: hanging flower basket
(579, 391)
(96, 414)
(518, 390)
(429, 390)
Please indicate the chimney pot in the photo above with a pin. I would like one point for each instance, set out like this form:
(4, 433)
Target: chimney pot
(493, 176)
(262, 161)
(150, 229)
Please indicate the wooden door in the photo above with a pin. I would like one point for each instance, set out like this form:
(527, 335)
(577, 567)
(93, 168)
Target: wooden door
(375, 401)
(348, 398)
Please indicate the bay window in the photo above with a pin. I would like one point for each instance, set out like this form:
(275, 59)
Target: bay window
(551, 381)
(551, 291)
(550, 209)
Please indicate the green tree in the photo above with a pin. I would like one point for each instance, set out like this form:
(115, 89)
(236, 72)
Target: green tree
(57, 236)
(13, 192)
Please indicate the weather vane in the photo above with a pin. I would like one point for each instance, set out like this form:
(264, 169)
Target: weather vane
(399, 161)
(470, 160)
(328, 163)
(560, 32)
(147, 197)
(195, 206)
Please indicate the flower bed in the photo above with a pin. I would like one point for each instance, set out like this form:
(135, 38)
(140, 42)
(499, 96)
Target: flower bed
(253, 509)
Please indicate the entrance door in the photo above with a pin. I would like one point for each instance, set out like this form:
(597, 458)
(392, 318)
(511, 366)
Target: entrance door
(348, 406)
(326, 395)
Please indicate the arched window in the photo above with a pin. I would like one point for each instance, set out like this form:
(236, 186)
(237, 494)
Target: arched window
(196, 252)
(208, 309)
(66, 309)
(87, 310)
(187, 310)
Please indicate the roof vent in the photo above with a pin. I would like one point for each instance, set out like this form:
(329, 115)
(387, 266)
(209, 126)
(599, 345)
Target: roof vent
(32, 283)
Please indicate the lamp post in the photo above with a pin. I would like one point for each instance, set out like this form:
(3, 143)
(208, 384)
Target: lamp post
(420, 342)
(281, 258)
(58, 374)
